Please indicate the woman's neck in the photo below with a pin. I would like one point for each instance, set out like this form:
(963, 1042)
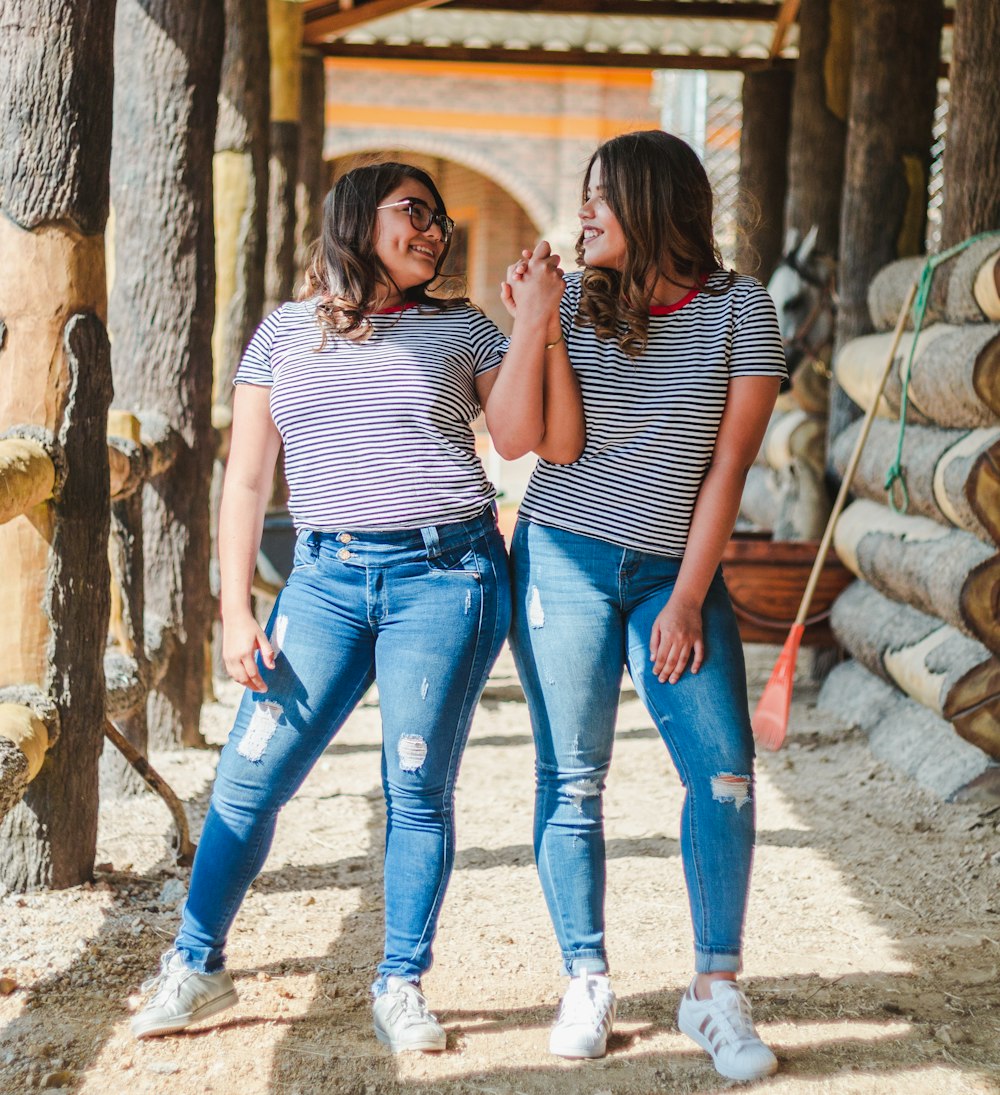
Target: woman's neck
(669, 288)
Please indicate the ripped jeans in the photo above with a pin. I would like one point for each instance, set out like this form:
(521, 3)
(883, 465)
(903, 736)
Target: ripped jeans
(423, 612)
(583, 609)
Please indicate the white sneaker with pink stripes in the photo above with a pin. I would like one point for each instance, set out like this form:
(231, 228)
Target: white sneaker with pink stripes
(723, 1025)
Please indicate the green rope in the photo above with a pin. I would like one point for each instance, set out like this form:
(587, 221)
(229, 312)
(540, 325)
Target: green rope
(895, 477)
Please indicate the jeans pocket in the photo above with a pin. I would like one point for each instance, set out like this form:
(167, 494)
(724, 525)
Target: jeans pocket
(306, 554)
(462, 561)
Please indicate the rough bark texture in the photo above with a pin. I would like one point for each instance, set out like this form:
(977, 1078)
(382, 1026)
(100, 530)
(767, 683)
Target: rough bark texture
(279, 270)
(893, 95)
(767, 98)
(972, 152)
(965, 299)
(162, 310)
(954, 377)
(888, 290)
(241, 182)
(909, 737)
(952, 675)
(55, 134)
(944, 572)
(952, 475)
(819, 121)
(311, 188)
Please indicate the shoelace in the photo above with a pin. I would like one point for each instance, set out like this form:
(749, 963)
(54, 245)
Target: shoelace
(733, 1013)
(584, 1004)
(413, 1005)
(161, 981)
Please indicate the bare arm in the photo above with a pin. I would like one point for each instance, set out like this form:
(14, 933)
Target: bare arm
(533, 401)
(249, 474)
(677, 632)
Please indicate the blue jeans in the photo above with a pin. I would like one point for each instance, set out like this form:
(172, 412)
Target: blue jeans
(425, 613)
(583, 609)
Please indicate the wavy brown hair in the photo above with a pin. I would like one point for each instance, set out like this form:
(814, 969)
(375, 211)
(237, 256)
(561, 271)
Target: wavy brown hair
(344, 272)
(656, 186)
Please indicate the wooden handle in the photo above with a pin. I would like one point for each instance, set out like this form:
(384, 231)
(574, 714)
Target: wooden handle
(852, 464)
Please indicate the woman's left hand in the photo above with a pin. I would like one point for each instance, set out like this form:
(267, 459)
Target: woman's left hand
(676, 639)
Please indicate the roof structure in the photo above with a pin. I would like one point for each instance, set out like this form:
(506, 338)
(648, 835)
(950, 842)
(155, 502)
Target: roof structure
(734, 35)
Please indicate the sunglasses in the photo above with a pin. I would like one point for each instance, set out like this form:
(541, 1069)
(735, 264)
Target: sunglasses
(422, 216)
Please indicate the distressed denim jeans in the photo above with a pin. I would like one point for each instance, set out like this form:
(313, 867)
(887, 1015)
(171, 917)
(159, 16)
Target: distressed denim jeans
(424, 613)
(583, 609)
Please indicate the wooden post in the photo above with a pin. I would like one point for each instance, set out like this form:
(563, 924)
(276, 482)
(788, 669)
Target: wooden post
(240, 172)
(162, 308)
(893, 95)
(767, 96)
(819, 120)
(972, 148)
(285, 27)
(55, 386)
(312, 174)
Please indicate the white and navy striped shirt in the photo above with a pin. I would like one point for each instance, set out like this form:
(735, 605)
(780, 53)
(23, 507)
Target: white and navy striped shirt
(377, 433)
(652, 421)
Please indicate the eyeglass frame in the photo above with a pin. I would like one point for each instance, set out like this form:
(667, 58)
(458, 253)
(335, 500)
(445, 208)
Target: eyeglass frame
(442, 220)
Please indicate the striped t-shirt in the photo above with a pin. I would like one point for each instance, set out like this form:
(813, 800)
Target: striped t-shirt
(377, 433)
(652, 421)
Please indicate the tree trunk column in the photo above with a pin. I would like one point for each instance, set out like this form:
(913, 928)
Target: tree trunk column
(285, 26)
(972, 143)
(767, 96)
(893, 93)
(819, 120)
(55, 386)
(162, 308)
(312, 184)
(240, 170)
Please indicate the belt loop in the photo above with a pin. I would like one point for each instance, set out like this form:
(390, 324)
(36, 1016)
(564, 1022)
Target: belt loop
(432, 541)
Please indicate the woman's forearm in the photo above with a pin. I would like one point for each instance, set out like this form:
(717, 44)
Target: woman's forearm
(712, 524)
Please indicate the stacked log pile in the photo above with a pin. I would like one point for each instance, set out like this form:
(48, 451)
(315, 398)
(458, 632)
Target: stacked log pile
(784, 493)
(922, 622)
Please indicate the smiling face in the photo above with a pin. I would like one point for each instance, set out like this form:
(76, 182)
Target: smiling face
(410, 257)
(602, 234)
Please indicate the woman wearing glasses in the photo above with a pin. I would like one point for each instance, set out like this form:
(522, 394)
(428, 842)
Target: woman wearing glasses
(615, 564)
(400, 575)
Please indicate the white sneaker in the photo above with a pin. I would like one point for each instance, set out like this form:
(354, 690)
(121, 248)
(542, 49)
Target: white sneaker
(402, 1020)
(586, 1016)
(182, 996)
(724, 1027)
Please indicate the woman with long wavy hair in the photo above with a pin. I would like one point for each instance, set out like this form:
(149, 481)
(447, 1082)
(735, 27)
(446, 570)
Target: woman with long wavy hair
(615, 564)
(370, 383)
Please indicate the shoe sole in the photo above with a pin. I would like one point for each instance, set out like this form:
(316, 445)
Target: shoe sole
(206, 1011)
(696, 1036)
(426, 1046)
(579, 1055)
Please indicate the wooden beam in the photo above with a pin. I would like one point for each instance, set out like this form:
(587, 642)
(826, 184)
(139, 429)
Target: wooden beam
(329, 20)
(786, 17)
(578, 58)
(657, 9)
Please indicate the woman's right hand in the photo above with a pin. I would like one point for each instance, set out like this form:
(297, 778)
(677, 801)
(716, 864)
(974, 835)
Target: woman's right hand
(242, 637)
(535, 285)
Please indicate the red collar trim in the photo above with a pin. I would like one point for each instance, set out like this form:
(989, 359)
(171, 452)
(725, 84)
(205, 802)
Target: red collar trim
(395, 308)
(666, 309)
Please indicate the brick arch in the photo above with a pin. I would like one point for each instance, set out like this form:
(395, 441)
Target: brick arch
(541, 212)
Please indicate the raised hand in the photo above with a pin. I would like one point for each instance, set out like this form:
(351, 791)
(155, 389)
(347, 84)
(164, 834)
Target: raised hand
(534, 285)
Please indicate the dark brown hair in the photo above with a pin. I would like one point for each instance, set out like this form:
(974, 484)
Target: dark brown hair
(656, 186)
(344, 271)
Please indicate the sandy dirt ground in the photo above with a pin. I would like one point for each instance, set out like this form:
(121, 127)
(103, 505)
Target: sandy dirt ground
(873, 939)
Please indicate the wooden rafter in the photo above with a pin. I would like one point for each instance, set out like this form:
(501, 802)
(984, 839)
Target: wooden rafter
(786, 17)
(765, 11)
(562, 57)
(324, 20)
